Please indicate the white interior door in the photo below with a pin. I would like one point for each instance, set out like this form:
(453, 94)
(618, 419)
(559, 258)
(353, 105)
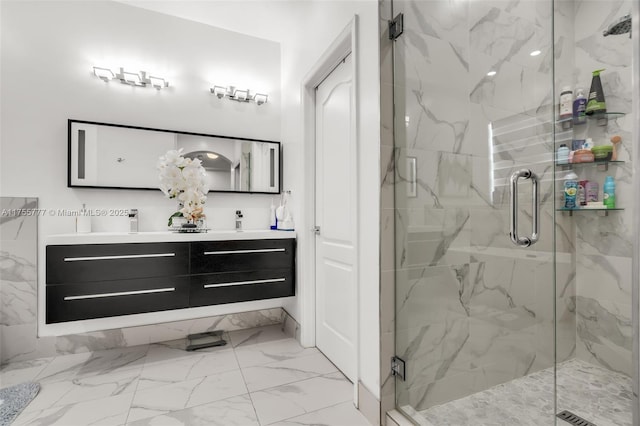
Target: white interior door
(336, 275)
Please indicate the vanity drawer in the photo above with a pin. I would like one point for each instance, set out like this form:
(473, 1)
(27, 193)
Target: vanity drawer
(70, 302)
(101, 262)
(216, 289)
(241, 255)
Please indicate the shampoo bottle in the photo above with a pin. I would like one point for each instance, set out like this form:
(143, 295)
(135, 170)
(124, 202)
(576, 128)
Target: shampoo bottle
(609, 193)
(579, 107)
(596, 103)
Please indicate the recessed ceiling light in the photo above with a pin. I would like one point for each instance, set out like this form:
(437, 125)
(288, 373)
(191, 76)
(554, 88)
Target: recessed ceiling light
(491, 73)
(535, 53)
(211, 155)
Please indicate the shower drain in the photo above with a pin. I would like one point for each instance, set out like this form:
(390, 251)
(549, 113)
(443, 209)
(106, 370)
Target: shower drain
(569, 417)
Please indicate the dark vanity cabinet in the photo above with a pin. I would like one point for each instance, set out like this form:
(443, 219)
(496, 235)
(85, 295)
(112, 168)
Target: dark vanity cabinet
(105, 280)
(234, 271)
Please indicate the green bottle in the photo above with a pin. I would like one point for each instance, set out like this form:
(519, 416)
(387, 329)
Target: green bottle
(595, 102)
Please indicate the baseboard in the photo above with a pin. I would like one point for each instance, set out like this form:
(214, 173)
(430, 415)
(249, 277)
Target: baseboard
(290, 326)
(368, 405)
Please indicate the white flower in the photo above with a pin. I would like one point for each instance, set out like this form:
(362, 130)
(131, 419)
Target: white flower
(184, 179)
(173, 156)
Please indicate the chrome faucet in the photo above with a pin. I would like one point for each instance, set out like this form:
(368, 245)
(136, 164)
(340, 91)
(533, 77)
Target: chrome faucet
(238, 220)
(133, 221)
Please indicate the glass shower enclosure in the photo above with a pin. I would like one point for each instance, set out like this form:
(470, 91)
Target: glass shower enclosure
(511, 306)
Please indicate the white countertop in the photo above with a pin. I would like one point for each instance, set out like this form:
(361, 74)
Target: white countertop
(165, 236)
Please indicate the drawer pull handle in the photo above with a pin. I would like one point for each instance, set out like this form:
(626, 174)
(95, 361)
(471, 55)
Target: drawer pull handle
(274, 280)
(120, 293)
(271, 250)
(124, 256)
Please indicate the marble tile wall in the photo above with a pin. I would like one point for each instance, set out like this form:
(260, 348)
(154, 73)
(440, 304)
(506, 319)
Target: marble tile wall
(18, 302)
(18, 272)
(604, 244)
(472, 310)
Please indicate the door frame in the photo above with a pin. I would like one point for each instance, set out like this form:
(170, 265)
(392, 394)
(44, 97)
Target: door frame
(343, 45)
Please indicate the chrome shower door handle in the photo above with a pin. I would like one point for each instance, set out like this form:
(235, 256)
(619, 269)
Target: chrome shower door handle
(535, 204)
(535, 216)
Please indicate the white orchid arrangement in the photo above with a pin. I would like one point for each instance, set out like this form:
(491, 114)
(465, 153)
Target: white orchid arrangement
(186, 180)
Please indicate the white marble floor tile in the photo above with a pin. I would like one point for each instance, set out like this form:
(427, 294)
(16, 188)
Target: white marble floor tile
(265, 353)
(287, 371)
(162, 384)
(164, 399)
(54, 394)
(186, 368)
(344, 414)
(236, 411)
(252, 336)
(110, 411)
(113, 361)
(64, 367)
(295, 399)
(23, 371)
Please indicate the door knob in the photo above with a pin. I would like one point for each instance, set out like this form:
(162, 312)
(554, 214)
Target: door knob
(316, 230)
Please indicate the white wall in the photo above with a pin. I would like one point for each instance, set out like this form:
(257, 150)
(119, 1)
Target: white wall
(48, 51)
(304, 30)
(329, 18)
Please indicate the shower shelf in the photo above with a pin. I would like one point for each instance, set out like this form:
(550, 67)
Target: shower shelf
(600, 212)
(596, 116)
(603, 166)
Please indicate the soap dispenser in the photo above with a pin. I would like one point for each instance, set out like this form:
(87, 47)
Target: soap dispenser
(273, 220)
(83, 221)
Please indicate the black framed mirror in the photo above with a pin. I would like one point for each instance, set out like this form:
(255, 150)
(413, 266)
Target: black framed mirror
(115, 156)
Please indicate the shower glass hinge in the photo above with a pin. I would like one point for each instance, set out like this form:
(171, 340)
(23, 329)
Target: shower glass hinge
(398, 367)
(396, 26)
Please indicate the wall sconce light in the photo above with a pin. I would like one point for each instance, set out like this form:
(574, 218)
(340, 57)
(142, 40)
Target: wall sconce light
(260, 98)
(158, 82)
(219, 91)
(240, 95)
(131, 78)
(103, 74)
